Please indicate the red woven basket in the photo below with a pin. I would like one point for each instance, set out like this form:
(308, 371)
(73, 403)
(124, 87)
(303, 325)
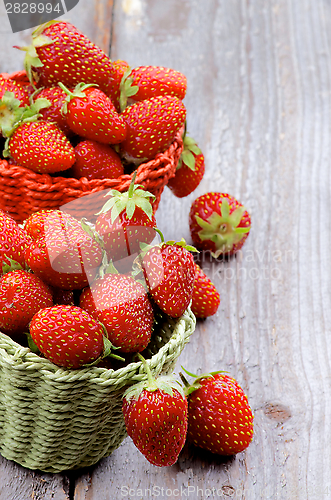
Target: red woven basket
(23, 192)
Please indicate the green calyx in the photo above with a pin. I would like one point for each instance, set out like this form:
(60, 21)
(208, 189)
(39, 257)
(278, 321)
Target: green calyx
(164, 383)
(190, 150)
(127, 89)
(77, 92)
(189, 388)
(128, 201)
(223, 229)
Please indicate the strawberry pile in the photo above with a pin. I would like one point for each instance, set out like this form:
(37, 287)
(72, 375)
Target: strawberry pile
(83, 293)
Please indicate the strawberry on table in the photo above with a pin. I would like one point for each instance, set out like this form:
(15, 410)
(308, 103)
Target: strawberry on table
(67, 335)
(13, 242)
(219, 416)
(190, 169)
(205, 297)
(155, 415)
(61, 53)
(219, 224)
(125, 221)
(65, 255)
(96, 161)
(122, 305)
(169, 272)
(152, 126)
(92, 115)
(22, 294)
(145, 82)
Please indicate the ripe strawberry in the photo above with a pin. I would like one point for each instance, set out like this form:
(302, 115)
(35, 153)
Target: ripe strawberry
(145, 82)
(61, 53)
(13, 242)
(121, 304)
(64, 256)
(34, 224)
(205, 297)
(96, 161)
(18, 90)
(56, 96)
(219, 416)
(22, 294)
(190, 170)
(169, 272)
(92, 115)
(34, 143)
(219, 224)
(155, 415)
(67, 335)
(152, 125)
(125, 221)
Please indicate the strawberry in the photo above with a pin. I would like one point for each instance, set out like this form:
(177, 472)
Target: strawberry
(18, 90)
(34, 224)
(155, 415)
(61, 53)
(92, 115)
(62, 297)
(22, 294)
(145, 82)
(56, 97)
(169, 272)
(219, 416)
(125, 221)
(152, 125)
(121, 304)
(190, 169)
(205, 297)
(65, 255)
(218, 224)
(13, 242)
(96, 161)
(32, 142)
(67, 335)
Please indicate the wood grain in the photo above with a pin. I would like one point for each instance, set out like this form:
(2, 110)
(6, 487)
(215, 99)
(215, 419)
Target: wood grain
(258, 103)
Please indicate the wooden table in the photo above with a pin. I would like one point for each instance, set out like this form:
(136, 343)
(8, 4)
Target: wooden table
(259, 105)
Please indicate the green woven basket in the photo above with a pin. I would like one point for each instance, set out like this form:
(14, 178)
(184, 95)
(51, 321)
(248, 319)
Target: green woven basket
(53, 419)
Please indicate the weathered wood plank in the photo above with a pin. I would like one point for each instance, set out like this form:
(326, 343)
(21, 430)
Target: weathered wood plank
(259, 105)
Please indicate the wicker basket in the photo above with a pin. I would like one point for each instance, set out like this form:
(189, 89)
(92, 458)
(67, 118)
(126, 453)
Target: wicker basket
(23, 192)
(53, 419)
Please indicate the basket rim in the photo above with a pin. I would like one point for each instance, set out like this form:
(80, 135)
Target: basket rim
(22, 358)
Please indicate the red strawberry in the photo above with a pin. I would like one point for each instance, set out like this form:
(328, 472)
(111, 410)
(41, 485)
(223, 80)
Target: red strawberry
(67, 335)
(18, 90)
(96, 161)
(205, 297)
(121, 304)
(152, 125)
(61, 53)
(145, 82)
(34, 224)
(56, 96)
(13, 242)
(219, 224)
(65, 256)
(33, 143)
(219, 416)
(190, 170)
(22, 294)
(155, 415)
(92, 115)
(126, 221)
(169, 271)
